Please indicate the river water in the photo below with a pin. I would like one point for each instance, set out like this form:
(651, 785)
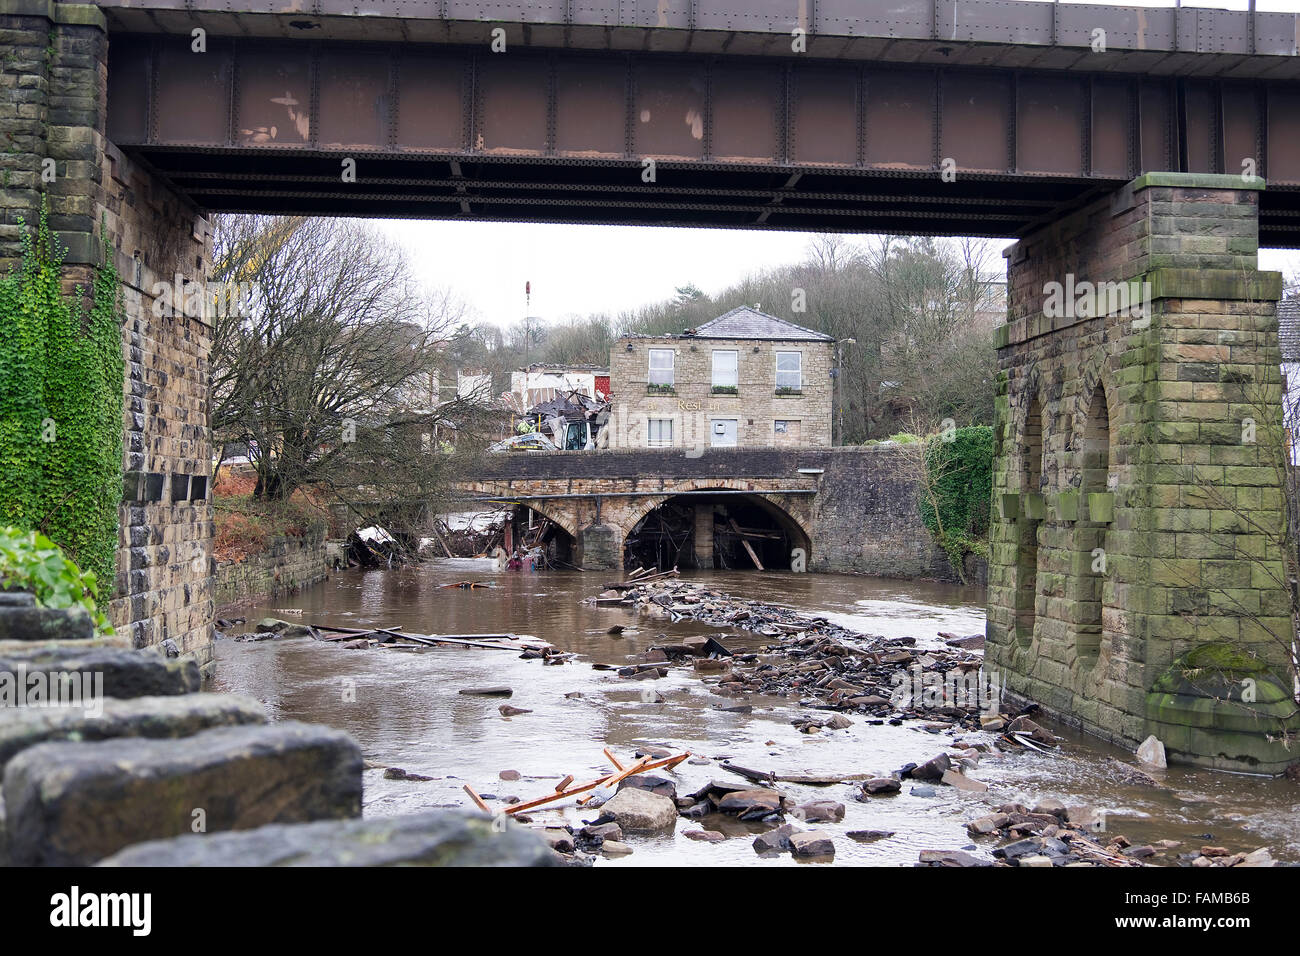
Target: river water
(404, 709)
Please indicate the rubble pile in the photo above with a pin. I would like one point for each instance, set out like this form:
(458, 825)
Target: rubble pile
(822, 665)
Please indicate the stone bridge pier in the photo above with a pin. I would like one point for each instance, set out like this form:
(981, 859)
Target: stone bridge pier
(1138, 583)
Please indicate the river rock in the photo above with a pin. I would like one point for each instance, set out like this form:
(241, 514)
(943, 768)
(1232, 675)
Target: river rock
(776, 840)
(434, 838)
(507, 711)
(599, 832)
(70, 804)
(558, 839)
(181, 716)
(637, 810)
(124, 673)
(932, 769)
(1035, 732)
(283, 628)
(962, 782)
(751, 804)
(705, 836)
(869, 836)
(811, 843)
(991, 823)
(1049, 805)
(1085, 818)
(615, 848)
(651, 782)
(1152, 753)
(820, 811)
(1036, 861)
(953, 858)
(1260, 857)
(877, 786)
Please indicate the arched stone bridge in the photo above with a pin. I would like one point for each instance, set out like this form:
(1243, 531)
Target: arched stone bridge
(849, 509)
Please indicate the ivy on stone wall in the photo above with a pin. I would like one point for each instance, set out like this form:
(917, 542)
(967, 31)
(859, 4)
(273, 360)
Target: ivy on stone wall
(61, 373)
(957, 492)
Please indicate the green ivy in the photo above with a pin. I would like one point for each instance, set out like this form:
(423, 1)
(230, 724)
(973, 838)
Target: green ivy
(29, 561)
(957, 503)
(61, 374)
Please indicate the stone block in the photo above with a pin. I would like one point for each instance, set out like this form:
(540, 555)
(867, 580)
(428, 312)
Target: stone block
(434, 838)
(180, 716)
(71, 804)
(124, 673)
(22, 620)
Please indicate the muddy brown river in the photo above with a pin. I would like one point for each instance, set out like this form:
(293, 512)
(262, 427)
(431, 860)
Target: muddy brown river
(404, 709)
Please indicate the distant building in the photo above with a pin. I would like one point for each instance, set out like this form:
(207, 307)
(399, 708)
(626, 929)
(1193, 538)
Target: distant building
(542, 382)
(744, 379)
(474, 387)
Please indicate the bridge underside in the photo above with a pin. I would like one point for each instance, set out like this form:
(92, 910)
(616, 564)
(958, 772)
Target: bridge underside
(452, 132)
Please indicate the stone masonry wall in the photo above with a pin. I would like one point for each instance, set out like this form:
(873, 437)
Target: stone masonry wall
(1129, 506)
(286, 565)
(756, 406)
(54, 81)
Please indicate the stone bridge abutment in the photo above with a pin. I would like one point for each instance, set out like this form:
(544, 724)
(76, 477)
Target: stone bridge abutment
(53, 118)
(1137, 579)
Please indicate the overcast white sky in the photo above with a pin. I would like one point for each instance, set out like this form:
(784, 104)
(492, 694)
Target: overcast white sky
(584, 269)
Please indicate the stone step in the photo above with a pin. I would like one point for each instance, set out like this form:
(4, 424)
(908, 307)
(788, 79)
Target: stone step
(123, 672)
(22, 620)
(71, 804)
(157, 717)
(432, 838)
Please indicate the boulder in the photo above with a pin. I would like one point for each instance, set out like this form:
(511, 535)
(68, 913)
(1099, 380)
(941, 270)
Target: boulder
(776, 840)
(751, 804)
(434, 838)
(70, 804)
(881, 785)
(960, 781)
(819, 811)
(991, 823)
(1086, 818)
(1152, 753)
(23, 727)
(599, 832)
(954, 858)
(932, 769)
(811, 843)
(114, 671)
(638, 810)
(655, 784)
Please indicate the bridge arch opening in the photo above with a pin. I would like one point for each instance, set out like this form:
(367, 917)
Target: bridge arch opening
(719, 531)
(532, 531)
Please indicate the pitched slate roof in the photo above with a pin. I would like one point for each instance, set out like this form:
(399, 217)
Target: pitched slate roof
(747, 323)
(1288, 329)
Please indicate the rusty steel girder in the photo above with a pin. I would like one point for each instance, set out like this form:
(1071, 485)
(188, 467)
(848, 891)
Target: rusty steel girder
(444, 131)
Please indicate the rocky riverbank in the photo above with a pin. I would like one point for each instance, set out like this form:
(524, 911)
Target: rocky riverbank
(835, 678)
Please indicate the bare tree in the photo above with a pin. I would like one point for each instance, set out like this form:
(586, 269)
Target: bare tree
(326, 372)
